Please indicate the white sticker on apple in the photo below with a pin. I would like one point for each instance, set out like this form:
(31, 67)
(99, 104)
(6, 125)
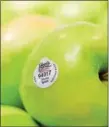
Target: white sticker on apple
(45, 73)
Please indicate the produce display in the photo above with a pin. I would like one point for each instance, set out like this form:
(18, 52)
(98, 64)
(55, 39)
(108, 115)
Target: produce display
(54, 63)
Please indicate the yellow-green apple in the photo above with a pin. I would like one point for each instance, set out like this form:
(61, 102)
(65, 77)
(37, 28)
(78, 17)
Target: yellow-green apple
(13, 9)
(62, 85)
(36, 7)
(17, 41)
(12, 116)
(71, 11)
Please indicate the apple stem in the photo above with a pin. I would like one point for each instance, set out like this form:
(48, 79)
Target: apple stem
(104, 76)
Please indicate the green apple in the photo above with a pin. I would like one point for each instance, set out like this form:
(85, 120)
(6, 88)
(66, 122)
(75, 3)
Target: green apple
(61, 85)
(72, 11)
(13, 9)
(17, 41)
(12, 116)
(36, 7)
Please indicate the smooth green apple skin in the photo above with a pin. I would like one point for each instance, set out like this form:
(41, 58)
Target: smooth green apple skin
(18, 40)
(12, 116)
(103, 24)
(78, 97)
(72, 11)
(103, 21)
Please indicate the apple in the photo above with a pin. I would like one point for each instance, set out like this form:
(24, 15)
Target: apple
(71, 11)
(36, 7)
(13, 9)
(17, 41)
(12, 116)
(61, 86)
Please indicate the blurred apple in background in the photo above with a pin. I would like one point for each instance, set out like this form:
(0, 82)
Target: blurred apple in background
(12, 116)
(72, 11)
(17, 41)
(13, 9)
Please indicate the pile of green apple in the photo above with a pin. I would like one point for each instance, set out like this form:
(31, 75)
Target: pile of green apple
(54, 63)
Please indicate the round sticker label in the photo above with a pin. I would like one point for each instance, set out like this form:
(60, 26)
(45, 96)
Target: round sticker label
(45, 73)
